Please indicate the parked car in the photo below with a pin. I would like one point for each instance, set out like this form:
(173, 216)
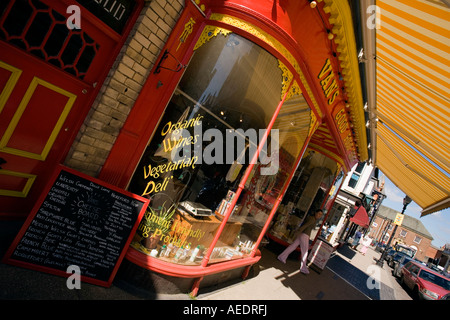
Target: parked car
(405, 249)
(396, 258)
(446, 297)
(398, 265)
(424, 282)
(389, 254)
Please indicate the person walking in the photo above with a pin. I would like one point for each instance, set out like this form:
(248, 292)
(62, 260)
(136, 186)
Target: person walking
(366, 241)
(302, 240)
(357, 236)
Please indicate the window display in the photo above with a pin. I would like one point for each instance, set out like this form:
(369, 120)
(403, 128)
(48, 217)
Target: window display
(306, 194)
(333, 217)
(205, 141)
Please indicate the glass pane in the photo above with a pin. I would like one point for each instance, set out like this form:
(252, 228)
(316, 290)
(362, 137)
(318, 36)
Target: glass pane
(353, 180)
(42, 31)
(263, 188)
(306, 194)
(228, 92)
(360, 167)
(334, 216)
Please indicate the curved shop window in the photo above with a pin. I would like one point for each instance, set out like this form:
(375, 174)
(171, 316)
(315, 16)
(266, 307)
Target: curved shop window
(204, 143)
(312, 186)
(333, 219)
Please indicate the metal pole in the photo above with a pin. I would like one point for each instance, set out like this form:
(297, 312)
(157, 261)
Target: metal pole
(227, 214)
(406, 201)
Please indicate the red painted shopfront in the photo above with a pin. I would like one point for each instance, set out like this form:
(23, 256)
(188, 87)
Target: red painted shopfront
(270, 74)
(246, 123)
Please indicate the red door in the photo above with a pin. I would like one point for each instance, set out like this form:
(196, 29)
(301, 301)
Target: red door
(48, 75)
(38, 115)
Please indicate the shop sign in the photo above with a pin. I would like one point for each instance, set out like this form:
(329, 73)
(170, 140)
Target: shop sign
(114, 13)
(399, 219)
(78, 221)
(320, 254)
(340, 118)
(328, 82)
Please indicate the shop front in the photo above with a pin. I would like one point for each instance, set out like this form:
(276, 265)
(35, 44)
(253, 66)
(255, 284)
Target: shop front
(220, 160)
(242, 126)
(242, 112)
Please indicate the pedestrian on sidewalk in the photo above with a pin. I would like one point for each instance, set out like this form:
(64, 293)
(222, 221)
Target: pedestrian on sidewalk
(302, 239)
(356, 239)
(366, 241)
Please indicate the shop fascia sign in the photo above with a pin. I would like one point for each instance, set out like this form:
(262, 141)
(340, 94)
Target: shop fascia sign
(330, 89)
(327, 80)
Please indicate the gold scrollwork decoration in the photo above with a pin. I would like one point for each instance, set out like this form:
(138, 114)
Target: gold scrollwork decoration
(208, 33)
(188, 28)
(295, 90)
(286, 78)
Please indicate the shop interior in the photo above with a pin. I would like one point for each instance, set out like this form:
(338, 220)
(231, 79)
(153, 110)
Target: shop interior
(310, 189)
(191, 172)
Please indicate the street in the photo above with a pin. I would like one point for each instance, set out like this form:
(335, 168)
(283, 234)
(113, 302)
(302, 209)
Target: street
(348, 275)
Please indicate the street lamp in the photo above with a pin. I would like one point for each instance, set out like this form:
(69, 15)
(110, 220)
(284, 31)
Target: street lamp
(406, 201)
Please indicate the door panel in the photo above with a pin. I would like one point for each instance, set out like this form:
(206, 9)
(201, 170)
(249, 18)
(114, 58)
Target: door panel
(40, 111)
(49, 76)
(29, 138)
(8, 79)
(15, 184)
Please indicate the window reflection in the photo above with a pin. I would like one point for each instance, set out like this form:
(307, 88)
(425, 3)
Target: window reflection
(205, 140)
(306, 194)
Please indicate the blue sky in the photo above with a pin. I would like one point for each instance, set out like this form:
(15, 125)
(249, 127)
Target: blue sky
(437, 224)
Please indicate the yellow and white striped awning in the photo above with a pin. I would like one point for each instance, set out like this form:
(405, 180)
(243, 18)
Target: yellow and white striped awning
(413, 99)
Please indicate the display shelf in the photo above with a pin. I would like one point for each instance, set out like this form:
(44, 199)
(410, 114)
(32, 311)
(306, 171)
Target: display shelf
(201, 230)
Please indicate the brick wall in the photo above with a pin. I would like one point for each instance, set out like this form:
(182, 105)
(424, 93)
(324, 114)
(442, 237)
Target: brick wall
(122, 85)
(422, 247)
(425, 243)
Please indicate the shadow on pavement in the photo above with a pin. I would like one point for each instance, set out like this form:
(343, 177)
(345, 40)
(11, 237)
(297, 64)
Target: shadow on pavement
(358, 278)
(353, 276)
(325, 285)
(347, 252)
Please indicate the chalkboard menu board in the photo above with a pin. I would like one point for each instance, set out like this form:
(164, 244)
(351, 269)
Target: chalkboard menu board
(78, 221)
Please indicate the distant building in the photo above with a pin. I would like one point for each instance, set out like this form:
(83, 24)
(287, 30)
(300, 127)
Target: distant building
(439, 256)
(360, 186)
(411, 232)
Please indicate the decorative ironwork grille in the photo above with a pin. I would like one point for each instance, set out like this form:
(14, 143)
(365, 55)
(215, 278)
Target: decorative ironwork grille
(41, 31)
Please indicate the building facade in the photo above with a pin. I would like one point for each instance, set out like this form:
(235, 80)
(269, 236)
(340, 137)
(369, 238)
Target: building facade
(140, 93)
(361, 186)
(411, 232)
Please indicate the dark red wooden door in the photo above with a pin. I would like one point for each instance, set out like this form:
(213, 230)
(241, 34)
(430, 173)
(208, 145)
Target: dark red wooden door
(48, 75)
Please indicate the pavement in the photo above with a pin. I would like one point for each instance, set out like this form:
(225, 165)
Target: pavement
(348, 275)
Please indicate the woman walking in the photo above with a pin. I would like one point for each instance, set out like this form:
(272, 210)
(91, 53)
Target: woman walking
(302, 240)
